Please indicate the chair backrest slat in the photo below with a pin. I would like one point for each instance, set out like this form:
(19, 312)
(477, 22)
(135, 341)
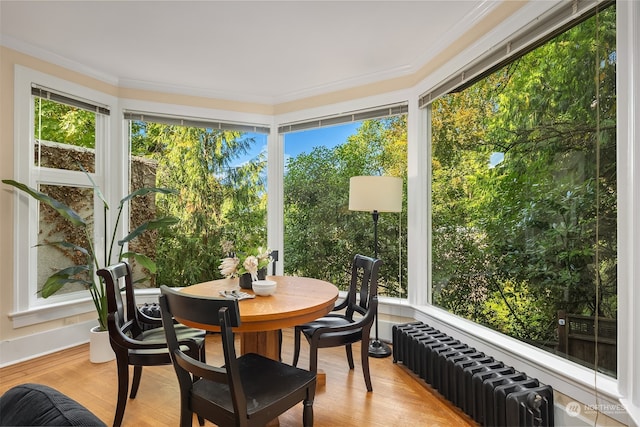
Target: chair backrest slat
(114, 277)
(364, 284)
(274, 258)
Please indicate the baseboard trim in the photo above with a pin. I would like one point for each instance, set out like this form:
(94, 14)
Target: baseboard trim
(39, 344)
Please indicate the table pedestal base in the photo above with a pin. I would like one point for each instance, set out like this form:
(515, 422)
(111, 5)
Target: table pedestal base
(321, 378)
(266, 343)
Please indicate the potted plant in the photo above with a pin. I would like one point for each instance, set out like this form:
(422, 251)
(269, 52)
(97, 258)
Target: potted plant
(85, 273)
(248, 265)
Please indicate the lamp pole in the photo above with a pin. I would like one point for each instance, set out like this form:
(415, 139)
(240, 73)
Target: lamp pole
(377, 348)
(375, 216)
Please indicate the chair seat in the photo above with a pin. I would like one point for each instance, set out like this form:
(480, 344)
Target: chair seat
(331, 321)
(159, 356)
(265, 381)
(332, 339)
(182, 332)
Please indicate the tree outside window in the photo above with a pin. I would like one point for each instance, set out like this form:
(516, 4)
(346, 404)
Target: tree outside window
(321, 235)
(524, 195)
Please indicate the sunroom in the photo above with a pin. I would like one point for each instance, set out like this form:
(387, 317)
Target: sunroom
(513, 130)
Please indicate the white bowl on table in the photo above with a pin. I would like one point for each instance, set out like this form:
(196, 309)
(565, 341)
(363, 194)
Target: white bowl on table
(263, 287)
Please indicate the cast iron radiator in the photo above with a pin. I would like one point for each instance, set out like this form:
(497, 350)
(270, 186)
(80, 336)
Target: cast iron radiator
(151, 310)
(485, 389)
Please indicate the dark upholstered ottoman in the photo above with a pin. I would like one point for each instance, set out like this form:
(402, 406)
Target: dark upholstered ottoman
(39, 405)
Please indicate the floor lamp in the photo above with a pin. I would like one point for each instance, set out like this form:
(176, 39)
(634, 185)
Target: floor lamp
(376, 194)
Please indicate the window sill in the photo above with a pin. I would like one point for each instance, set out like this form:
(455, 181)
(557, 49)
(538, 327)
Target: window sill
(64, 309)
(49, 312)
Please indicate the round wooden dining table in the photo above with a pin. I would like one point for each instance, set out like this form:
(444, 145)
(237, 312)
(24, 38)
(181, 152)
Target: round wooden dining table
(297, 300)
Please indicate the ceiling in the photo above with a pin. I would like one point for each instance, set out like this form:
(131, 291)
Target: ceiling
(256, 51)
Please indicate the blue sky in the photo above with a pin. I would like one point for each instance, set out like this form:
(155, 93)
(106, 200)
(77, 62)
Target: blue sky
(304, 141)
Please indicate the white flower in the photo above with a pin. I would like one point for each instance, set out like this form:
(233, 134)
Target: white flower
(238, 263)
(263, 254)
(251, 265)
(228, 266)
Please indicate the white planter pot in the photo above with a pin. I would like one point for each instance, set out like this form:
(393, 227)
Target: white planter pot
(99, 346)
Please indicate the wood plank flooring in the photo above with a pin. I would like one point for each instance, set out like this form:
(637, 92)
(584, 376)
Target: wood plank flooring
(399, 398)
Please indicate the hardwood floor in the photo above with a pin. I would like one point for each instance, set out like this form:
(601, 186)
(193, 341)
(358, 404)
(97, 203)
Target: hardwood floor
(399, 398)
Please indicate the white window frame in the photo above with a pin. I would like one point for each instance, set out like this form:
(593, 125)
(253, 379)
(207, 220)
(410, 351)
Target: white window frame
(28, 307)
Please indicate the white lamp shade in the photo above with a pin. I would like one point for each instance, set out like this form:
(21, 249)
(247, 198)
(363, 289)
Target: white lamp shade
(375, 193)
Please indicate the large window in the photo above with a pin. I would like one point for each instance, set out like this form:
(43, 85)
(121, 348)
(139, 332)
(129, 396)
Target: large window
(64, 135)
(60, 135)
(219, 173)
(321, 235)
(524, 196)
(64, 140)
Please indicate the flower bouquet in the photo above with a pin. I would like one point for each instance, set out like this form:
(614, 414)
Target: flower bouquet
(249, 265)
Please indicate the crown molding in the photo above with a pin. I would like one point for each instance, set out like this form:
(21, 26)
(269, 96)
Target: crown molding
(50, 57)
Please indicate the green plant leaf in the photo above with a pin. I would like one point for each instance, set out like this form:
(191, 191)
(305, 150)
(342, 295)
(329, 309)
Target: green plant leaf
(66, 245)
(64, 210)
(57, 280)
(143, 260)
(153, 224)
(96, 189)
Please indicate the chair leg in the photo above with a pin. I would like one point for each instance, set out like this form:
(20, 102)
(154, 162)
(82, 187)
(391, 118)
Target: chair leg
(307, 413)
(186, 418)
(364, 352)
(349, 351)
(123, 385)
(137, 375)
(313, 359)
(186, 414)
(203, 359)
(296, 346)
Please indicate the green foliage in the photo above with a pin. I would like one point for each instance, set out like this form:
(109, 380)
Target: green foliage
(515, 242)
(63, 123)
(321, 234)
(217, 201)
(316, 217)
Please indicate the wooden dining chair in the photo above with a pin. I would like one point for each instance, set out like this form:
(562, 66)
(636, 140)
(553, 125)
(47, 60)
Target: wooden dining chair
(250, 390)
(132, 345)
(349, 322)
